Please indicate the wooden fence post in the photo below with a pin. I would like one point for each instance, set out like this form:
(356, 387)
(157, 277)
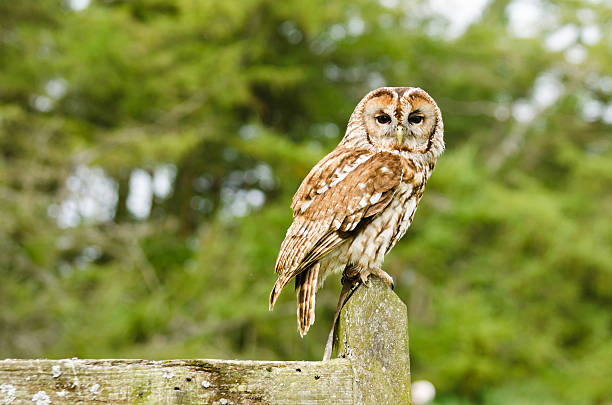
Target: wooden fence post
(372, 368)
(373, 335)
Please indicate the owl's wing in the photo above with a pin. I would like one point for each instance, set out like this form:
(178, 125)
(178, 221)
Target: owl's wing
(340, 195)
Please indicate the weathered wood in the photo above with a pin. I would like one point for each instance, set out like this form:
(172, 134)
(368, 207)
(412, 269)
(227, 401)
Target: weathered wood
(175, 382)
(372, 341)
(373, 335)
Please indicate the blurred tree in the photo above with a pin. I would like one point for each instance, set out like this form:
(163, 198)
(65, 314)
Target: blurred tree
(149, 150)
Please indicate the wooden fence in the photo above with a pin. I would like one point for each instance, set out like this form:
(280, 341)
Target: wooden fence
(372, 367)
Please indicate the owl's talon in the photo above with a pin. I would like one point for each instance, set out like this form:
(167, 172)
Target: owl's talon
(387, 279)
(363, 277)
(390, 283)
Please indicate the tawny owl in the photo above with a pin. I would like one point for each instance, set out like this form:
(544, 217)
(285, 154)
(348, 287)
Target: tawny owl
(359, 200)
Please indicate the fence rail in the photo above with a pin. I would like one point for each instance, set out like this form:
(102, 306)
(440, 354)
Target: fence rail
(372, 367)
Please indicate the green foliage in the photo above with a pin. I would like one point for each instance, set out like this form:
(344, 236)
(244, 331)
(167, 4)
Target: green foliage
(507, 269)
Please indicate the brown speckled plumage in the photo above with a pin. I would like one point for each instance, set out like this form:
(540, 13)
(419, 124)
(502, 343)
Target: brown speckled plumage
(360, 199)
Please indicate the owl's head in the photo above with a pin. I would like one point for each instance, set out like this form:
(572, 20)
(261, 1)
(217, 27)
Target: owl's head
(399, 118)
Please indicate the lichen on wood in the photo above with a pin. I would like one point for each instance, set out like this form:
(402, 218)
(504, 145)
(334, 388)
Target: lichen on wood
(373, 335)
(175, 381)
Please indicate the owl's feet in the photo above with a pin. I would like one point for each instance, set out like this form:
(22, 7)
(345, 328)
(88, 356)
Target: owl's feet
(381, 274)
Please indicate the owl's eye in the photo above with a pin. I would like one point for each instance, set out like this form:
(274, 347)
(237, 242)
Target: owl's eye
(415, 119)
(383, 119)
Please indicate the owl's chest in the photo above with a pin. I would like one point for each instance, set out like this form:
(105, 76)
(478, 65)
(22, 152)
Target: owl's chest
(403, 208)
(370, 246)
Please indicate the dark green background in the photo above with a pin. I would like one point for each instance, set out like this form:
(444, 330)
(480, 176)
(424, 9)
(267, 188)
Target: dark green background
(507, 269)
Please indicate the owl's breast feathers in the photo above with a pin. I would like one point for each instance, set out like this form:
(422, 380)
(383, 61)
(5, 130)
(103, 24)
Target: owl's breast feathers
(340, 195)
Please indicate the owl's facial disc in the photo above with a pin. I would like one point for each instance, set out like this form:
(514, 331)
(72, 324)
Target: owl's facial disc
(402, 118)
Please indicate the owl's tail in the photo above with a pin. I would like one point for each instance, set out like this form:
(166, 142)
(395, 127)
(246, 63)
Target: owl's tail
(305, 287)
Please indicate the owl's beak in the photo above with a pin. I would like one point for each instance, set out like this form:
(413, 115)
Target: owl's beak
(400, 134)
